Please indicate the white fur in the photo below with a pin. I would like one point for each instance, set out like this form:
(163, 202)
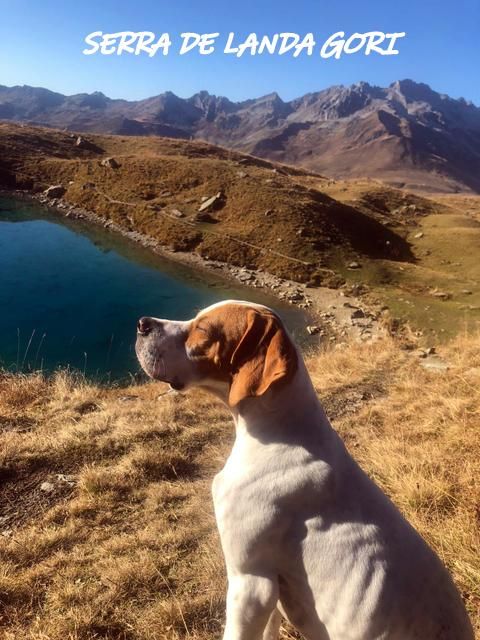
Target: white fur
(304, 531)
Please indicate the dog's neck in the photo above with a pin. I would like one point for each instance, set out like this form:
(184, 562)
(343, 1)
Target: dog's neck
(283, 413)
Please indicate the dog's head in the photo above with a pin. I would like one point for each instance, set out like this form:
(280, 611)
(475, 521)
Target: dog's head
(235, 348)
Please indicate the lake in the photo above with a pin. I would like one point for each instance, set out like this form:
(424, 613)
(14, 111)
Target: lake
(71, 294)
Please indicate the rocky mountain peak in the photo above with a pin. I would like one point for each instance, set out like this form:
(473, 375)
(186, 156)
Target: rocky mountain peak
(406, 128)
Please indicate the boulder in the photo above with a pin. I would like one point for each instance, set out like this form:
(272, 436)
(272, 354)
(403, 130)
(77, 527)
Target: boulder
(110, 163)
(82, 143)
(47, 487)
(55, 191)
(313, 329)
(211, 203)
(435, 364)
(443, 295)
(354, 265)
(296, 296)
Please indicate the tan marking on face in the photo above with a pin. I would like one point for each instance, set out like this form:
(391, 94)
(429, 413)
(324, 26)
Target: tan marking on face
(244, 345)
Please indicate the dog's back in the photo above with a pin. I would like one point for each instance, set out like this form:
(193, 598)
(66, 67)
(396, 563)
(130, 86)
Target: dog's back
(370, 574)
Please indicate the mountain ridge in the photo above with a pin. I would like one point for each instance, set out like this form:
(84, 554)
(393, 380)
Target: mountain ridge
(406, 134)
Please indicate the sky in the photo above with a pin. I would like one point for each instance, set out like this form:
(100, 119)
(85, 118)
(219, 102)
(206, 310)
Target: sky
(41, 44)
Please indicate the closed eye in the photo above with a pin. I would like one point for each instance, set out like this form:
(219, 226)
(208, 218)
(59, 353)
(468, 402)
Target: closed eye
(200, 328)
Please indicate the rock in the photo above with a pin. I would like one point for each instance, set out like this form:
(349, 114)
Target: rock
(110, 163)
(295, 297)
(83, 143)
(268, 212)
(313, 329)
(66, 479)
(419, 235)
(354, 265)
(242, 174)
(211, 203)
(302, 232)
(435, 364)
(443, 295)
(47, 487)
(358, 313)
(177, 213)
(467, 292)
(246, 277)
(55, 191)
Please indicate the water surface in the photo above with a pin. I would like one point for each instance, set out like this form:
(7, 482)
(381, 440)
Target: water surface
(70, 293)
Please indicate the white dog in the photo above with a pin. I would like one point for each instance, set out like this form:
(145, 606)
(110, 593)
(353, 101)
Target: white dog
(304, 531)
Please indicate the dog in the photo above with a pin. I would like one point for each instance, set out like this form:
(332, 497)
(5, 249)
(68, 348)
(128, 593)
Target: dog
(305, 533)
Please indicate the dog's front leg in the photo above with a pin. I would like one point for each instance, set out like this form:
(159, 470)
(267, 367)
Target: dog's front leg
(251, 601)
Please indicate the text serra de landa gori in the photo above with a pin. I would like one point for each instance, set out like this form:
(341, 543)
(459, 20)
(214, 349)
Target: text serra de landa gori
(148, 43)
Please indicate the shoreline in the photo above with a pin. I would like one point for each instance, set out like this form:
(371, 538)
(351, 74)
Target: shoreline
(330, 314)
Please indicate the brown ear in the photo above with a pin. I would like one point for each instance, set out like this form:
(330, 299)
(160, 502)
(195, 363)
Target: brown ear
(264, 355)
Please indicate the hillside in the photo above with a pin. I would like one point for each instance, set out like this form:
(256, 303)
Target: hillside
(405, 134)
(283, 220)
(107, 528)
(262, 216)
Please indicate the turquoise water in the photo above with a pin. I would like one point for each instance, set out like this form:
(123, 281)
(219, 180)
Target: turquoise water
(70, 294)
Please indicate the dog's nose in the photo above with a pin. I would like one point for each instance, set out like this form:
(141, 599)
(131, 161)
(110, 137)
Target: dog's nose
(145, 325)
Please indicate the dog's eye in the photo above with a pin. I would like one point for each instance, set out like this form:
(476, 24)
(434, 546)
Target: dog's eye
(202, 328)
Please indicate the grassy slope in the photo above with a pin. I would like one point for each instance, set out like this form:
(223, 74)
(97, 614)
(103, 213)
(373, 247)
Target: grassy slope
(130, 550)
(446, 256)
(324, 223)
(263, 204)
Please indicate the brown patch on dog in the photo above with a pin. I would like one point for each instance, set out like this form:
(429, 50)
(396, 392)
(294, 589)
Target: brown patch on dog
(247, 347)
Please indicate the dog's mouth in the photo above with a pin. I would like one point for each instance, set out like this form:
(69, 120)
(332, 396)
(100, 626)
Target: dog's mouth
(159, 372)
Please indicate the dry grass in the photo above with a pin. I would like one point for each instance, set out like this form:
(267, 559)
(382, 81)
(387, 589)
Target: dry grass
(125, 545)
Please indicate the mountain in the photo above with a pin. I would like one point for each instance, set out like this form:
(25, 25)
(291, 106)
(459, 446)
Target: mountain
(405, 134)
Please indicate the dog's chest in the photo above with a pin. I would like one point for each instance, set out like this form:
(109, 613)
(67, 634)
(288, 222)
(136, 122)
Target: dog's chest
(259, 497)
(248, 520)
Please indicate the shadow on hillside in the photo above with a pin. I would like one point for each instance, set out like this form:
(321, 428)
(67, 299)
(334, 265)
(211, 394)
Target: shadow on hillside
(363, 233)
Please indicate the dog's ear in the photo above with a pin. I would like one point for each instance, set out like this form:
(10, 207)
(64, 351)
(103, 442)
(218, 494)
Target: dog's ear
(264, 355)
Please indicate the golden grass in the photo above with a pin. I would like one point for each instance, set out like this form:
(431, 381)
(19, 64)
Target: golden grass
(127, 548)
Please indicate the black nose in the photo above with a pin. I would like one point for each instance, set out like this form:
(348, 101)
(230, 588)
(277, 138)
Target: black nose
(144, 326)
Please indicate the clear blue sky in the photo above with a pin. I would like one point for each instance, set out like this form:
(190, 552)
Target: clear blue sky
(41, 43)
